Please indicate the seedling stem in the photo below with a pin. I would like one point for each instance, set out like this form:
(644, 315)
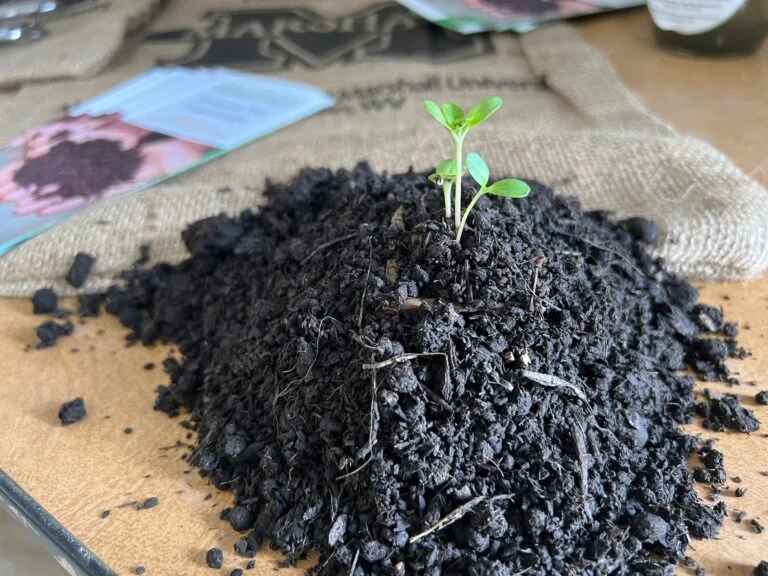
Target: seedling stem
(457, 192)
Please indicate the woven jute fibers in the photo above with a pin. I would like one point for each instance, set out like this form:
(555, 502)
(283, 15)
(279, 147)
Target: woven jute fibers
(567, 121)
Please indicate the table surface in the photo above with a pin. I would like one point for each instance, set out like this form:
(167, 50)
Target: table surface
(79, 471)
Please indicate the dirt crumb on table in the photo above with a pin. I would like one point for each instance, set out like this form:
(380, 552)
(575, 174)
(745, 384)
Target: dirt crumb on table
(45, 301)
(72, 411)
(49, 332)
(214, 558)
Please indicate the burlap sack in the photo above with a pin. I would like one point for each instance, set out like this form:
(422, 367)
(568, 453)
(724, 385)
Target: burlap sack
(79, 41)
(567, 121)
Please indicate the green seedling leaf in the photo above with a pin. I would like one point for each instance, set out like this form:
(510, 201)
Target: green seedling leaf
(509, 188)
(434, 110)
(445, 171)
(447, 168)
(453, 114)
(478, 168)
(483, 110)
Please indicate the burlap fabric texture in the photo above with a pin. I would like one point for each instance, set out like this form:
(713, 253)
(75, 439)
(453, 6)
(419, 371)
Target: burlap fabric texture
(79, 40)
(567, 121)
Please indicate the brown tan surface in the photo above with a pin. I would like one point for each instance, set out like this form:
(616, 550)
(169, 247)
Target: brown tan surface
(75, 472)
(720, 100)
(78, 471)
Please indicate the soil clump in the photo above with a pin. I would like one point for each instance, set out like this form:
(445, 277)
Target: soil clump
(72, 411)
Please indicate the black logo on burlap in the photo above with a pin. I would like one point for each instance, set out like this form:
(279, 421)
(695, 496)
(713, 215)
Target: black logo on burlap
(273, 39)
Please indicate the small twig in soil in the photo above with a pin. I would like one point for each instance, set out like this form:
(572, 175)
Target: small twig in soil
(581, 449)
(356, 470)
(400, 358)
(452, 517)
(285, 390)
(392, 271)
(533, 291)
(357, 338)
(554, 382)
(228, 482)
(593, 445)
(397, 217)
(495, 465)
(435, 398)
(504, 384)
(179, 444)
(456, 515)
(331, 557)
(365, 288)
(328, 245)
(414, 304)
(374, 411)
(354, 562)
(411, 356)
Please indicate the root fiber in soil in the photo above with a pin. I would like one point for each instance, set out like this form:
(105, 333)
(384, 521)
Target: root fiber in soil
(400, 404)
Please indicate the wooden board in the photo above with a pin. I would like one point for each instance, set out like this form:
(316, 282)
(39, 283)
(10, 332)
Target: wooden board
(79, 471)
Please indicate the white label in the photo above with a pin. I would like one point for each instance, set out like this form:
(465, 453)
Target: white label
(692, 16)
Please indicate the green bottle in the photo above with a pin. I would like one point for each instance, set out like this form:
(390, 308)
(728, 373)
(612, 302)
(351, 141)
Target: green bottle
(710, 27)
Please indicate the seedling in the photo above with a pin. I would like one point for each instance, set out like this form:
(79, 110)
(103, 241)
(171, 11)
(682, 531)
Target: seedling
(445, 176)
(508, 188)
(448, 173)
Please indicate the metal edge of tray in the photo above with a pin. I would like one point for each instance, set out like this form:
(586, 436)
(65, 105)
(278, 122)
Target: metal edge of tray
(68, 551)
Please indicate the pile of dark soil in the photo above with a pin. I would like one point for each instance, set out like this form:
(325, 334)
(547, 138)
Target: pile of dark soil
(79, 169)
(402, 405)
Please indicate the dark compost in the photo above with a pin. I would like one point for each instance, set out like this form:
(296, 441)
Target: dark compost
(403, 405)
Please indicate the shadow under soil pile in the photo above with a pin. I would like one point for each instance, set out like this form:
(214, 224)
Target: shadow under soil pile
(402, 405)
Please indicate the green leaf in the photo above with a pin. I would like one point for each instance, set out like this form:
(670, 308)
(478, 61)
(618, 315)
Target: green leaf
(483, 110)
(509, 188)
(447, 168)
(434, 110)
(478, 168)
(453, 114)
(445, 171)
